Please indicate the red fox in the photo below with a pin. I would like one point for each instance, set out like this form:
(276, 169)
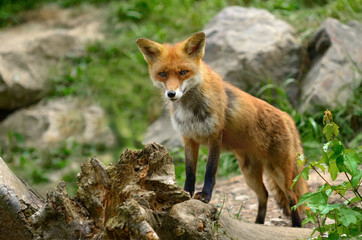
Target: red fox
(209, 111)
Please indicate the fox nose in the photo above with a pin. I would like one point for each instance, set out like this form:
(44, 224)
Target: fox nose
(171, 94)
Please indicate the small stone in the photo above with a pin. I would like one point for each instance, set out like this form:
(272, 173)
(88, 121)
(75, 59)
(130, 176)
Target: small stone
(278, 222)
(178, 231)
(200, 226)
(242, 198)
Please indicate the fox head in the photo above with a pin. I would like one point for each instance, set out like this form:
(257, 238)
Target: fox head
(174, 68)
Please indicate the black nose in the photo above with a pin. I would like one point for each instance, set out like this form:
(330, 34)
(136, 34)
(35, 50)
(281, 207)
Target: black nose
(171, 94)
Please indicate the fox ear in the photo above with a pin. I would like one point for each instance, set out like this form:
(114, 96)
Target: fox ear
(195, 45)
(149, 49)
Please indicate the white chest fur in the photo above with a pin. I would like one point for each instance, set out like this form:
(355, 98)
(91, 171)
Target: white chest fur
(193, 118)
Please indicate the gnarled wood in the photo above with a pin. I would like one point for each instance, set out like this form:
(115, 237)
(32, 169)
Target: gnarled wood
(134, 198)
(17, 203)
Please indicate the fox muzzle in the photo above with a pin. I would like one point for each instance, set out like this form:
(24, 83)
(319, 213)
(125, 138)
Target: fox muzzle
(171, 94)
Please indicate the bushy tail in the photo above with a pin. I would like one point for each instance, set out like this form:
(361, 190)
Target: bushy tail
(299, 188)
(279, 197)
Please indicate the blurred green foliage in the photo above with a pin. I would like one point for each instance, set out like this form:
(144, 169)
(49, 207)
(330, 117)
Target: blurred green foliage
(37, 165)
(114, 73)
(9, 10)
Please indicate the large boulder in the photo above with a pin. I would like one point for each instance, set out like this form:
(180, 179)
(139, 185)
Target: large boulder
(29, 51)
(248, 45)
(51, 122)
(336, 54)
(24, 70)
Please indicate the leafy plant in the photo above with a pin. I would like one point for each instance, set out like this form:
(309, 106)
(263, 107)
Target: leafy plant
(347, 216)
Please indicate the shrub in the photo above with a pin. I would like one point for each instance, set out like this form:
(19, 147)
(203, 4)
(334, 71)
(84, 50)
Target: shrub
(337, 159)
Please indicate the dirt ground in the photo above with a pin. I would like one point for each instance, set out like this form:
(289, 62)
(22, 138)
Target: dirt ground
(239, 197)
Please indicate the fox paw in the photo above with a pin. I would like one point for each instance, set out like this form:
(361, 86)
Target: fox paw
(204, 197)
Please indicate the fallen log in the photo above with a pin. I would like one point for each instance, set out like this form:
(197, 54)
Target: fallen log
(134, 198)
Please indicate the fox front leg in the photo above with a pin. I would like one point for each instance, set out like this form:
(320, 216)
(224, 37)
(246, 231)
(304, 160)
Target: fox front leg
(191, 155)
(211, 169)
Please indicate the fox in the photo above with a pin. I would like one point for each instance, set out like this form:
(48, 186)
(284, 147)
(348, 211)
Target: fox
(206, 110)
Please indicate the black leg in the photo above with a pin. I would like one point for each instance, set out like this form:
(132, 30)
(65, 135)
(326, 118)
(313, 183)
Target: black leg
(296, 219)
(211, 170)
(260, 218)
(190, 180)
(191, 155)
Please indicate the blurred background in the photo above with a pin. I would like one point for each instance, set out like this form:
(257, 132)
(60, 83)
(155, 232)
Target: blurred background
(74, 84)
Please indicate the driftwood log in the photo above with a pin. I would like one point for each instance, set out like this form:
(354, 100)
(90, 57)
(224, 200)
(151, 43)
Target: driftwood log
(134, 198)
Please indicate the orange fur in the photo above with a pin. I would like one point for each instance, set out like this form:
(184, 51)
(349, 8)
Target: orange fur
(206, 110)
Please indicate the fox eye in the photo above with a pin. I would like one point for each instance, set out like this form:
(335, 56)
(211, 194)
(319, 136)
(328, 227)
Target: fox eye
(183, 72)
(162, 74)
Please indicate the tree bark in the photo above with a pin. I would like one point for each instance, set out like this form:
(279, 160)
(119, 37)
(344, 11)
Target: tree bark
(134, 198)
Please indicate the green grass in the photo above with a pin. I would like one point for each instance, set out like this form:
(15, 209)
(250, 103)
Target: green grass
(37, 165)
(114, 73)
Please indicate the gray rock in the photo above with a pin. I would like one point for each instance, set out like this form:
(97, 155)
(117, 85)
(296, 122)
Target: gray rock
(191, 219)
(29, 52)
(248, 45)
(336, 54)
(49, 123)
(279, 222)
(24, 70)
(162, 132)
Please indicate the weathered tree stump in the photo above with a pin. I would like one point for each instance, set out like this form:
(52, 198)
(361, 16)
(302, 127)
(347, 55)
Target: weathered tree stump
(134, 198)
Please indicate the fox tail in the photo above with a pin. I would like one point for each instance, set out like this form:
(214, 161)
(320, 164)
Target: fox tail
(299, 188)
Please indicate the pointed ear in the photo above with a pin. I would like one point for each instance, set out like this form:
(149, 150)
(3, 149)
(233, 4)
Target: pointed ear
(150, 50)
(195, 45)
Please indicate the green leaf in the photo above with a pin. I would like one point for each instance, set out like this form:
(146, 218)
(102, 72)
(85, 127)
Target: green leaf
(322, 162)
(328, 131)
(304, 174)
(351, 160)
(318, 198)
(311, 217)
(335, 129)
(324, 159)
(324, 209)
(353, 200)
(337, 149)
(342, 188)
(333, 169)
(355, 230)
(328, 192)
(333, 235)
(314, 230)
(340, 164)
(356, 179)
(295, 180)
(348, 216)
